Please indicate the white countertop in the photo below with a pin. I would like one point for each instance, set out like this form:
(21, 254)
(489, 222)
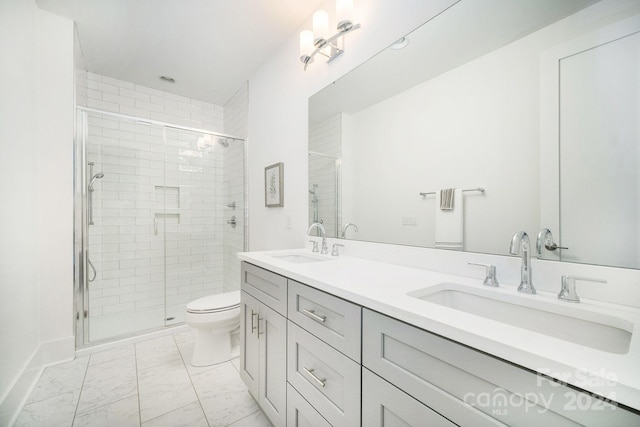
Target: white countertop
(383, 287)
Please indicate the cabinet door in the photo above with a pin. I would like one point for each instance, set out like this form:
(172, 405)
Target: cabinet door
(272, 333)
(300, 413)
(384, 405)
(249, 346)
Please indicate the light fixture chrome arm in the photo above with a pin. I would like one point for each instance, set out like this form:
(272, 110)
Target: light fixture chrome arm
(332, 42)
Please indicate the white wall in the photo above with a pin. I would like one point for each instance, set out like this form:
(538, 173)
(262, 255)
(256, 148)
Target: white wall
(474, 126)
(36, 210)
(278, 113)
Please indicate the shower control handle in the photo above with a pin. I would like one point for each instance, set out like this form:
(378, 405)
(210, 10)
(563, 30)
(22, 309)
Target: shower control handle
(232, 221)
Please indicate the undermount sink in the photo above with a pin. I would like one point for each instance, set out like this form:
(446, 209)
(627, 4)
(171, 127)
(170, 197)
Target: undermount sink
(570, 323)
(300, 259)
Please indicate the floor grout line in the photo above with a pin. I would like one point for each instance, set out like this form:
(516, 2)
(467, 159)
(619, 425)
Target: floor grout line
(97, 369)
(135, 359)
(84, 379)
(192, 384)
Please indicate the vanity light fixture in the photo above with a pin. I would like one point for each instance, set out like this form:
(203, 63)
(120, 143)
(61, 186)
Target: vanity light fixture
(318, 41)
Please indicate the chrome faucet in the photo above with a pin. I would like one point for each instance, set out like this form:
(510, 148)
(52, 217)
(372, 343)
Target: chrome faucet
(545, 240)
(520, 244)
(346, 227)
(323, 233)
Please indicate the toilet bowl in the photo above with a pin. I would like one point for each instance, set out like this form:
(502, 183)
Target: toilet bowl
(213, 318)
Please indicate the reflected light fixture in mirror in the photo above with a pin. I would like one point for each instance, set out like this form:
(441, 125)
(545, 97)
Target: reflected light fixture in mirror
(318, 41)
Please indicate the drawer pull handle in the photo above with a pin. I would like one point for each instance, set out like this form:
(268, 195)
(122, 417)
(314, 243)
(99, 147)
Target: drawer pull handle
(253, 326)
(312, 315)
(322, 381)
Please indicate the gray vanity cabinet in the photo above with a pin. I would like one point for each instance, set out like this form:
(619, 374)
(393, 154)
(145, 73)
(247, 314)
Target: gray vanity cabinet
(385, 405)
(263, 340)
(469, 387)
(335, 321)
(323, 357)
(300, 413)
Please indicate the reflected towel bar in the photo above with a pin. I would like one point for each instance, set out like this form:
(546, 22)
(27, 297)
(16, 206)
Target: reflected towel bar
(468, 189)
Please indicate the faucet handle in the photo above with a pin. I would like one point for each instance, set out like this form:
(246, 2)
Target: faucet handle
(490, 274)
(335, 251)
(569, 292)
(315, 246)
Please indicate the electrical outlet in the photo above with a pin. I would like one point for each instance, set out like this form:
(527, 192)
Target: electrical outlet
(409, 220)
(288, 221)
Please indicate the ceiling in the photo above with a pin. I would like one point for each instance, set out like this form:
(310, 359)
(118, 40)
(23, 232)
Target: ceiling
(210, 47)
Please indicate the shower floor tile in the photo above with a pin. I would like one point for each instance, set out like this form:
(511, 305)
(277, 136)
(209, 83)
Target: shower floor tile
(150, 383)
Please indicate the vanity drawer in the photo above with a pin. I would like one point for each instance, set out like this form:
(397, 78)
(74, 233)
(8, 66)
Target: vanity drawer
(326, 378)
(335, 321)
(472, 388)
(386, 406)
(300, 413)
(269, 288)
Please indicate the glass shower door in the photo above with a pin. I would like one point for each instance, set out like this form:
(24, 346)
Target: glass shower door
(192, 218)
(125, 289)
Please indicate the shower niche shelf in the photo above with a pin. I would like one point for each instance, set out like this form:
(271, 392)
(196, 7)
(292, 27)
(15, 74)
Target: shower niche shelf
(167, 206)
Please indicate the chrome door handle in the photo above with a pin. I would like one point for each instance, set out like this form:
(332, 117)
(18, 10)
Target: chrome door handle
(321, 381)
(312, 315)
(259, 319)
(253, 326)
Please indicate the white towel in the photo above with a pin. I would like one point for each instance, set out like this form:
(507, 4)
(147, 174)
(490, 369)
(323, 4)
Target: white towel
(450, 223)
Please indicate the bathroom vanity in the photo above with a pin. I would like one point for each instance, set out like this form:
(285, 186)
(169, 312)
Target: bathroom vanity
(346, 341)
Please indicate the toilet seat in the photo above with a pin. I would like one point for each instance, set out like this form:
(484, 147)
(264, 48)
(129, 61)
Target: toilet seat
(215, 303)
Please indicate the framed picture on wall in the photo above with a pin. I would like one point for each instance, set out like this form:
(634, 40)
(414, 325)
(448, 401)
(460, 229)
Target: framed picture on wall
(274, 185)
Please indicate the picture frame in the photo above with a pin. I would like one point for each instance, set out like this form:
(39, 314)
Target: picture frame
(274, 185)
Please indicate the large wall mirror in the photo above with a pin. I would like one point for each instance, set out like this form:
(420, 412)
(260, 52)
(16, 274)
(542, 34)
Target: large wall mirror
(524, 114)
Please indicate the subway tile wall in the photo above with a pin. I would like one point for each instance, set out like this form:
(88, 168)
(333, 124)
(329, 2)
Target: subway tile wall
(159, 211)
(325, 137)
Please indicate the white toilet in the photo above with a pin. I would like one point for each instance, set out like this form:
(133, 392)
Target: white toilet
(214, 318)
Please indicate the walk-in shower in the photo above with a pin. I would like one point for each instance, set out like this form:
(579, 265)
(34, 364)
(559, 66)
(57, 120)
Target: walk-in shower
(151, 210)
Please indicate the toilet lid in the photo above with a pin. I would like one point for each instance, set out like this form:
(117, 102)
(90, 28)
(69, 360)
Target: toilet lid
(217, 302)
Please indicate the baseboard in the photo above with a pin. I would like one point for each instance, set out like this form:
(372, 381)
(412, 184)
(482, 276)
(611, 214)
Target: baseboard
(48, 353)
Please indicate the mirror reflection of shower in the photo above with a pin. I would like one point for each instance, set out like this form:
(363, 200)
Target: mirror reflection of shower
(206, 142)
(98, 175)
(314, 200)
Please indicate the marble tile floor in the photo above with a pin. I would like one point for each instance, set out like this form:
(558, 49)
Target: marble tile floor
(149, 383)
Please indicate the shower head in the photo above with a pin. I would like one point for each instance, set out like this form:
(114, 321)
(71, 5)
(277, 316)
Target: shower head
(99, 175)
(224, 142)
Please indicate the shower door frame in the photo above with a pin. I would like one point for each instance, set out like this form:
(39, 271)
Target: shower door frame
(81, 223)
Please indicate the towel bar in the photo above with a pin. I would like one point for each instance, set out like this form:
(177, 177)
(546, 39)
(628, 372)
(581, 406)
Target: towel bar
(480, 189)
